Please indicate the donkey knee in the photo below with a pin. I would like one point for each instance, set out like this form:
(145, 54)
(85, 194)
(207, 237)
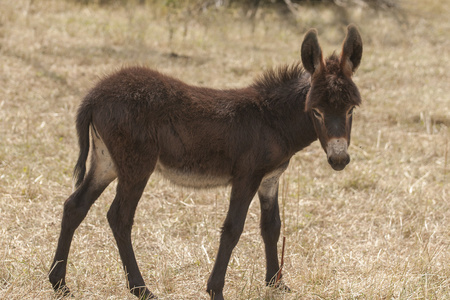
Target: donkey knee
(232, 229)
(231, 233)
(271, 235)
(271, 227)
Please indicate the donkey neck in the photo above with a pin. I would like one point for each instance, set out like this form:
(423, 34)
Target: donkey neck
(302, 132)
(283, 92)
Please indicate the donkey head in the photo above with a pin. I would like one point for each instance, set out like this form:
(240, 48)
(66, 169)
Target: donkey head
(333, 95)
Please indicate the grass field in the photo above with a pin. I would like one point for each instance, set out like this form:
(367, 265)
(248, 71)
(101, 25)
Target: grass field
(378, 230)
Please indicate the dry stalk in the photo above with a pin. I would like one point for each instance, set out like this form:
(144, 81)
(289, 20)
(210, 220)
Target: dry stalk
(281, 263)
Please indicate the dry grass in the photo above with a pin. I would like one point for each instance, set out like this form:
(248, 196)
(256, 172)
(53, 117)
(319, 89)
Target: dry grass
(378, 230)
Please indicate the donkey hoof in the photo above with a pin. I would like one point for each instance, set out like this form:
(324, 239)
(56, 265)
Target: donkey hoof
(216, 296)
(280, 286)
(143, 293)
(62, 291)
(151, 296)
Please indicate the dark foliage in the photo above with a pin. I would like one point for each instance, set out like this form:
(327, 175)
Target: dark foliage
(253, 5)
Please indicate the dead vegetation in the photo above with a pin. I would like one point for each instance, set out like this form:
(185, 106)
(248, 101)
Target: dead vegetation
(378, 230)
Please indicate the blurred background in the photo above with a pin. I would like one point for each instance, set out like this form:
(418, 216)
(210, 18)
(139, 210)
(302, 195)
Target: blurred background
(377, 230)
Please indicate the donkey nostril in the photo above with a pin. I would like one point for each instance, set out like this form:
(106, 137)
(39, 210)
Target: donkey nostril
(330, 161)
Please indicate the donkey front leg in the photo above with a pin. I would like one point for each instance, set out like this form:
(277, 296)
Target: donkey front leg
(271, 224)
(242, 193)
(270, 232)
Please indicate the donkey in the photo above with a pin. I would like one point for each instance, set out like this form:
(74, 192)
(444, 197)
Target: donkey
(138, 121)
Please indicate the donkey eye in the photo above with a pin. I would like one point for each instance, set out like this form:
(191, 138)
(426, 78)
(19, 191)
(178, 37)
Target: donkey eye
(350, 112)
(317, 114)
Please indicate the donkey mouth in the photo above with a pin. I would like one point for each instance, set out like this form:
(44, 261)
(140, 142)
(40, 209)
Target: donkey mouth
(337, 154)
(339, 166)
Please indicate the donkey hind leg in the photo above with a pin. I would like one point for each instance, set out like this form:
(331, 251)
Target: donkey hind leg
(242, 193)
(270, 227)
(120, 218)
(100, 175)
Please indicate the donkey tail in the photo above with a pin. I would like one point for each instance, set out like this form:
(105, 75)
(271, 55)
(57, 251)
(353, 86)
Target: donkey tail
(83, 122)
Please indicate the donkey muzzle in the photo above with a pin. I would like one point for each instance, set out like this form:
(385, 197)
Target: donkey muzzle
(337, 154)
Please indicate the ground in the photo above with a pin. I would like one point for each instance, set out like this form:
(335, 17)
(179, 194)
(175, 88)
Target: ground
(377, 230)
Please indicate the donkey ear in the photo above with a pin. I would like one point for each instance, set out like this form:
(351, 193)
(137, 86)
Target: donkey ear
(311, 53)
(351, 50)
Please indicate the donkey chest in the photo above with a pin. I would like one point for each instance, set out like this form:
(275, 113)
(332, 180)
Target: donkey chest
(192, 178)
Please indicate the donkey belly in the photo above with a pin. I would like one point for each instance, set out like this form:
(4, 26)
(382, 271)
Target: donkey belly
(192, 179)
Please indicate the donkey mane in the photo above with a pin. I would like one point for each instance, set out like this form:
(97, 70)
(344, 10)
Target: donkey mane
(280, 76)
(332, 64)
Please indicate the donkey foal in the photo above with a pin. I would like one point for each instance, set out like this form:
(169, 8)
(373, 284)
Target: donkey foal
(138, 121)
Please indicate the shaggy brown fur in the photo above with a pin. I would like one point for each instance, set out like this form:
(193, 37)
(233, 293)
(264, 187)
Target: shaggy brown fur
(140, 121)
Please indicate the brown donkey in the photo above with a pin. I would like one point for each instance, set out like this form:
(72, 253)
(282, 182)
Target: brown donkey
(140, 121)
